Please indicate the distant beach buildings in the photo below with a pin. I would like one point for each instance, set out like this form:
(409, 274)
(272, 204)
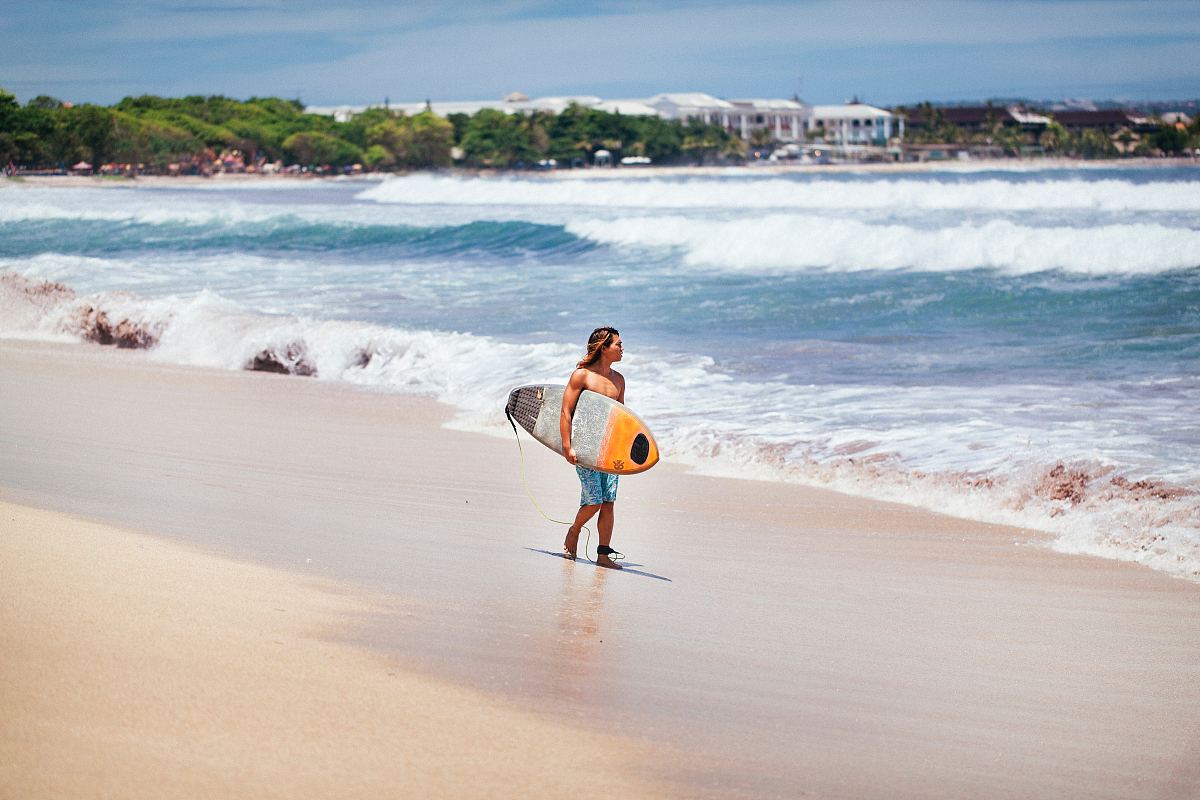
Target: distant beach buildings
(788, 121)
(854, 123)
(783, 118)
(793, 128)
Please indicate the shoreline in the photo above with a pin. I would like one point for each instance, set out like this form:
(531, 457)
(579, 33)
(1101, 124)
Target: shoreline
(915, 637)
(951, 166)
(1065, 500)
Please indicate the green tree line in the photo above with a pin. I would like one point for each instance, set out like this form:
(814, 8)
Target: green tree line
(190, 134)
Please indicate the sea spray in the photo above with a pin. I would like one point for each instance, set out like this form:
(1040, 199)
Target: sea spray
(778, 242)
(802, 192)
(765, 431)
(1016, 348)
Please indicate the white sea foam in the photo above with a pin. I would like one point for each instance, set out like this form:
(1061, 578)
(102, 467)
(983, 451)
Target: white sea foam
(1113, 195)
(191, 207)
(83, 205)
(780, 239)
(983, 453)
(781, 242)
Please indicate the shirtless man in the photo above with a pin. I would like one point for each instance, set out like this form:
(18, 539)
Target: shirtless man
(599, 489)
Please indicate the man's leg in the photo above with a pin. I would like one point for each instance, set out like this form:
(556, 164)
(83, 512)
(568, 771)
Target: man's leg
(607, 517)
(571, 544)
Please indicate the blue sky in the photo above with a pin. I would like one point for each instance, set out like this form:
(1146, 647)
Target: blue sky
(347, 51)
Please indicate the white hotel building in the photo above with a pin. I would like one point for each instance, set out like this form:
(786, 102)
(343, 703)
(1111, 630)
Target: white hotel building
(784, 118)
(854, 124)
(788, 120)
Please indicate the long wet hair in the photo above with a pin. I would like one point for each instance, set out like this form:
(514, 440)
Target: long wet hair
(600, 339)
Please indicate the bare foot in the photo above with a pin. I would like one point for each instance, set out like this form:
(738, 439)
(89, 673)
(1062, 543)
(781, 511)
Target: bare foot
(571, 543)
(604, 561)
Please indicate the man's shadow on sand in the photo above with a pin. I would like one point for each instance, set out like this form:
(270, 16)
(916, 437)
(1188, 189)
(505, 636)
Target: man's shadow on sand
(626, 568)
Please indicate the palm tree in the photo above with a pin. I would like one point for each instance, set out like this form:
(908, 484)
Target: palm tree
(1055, 138)
(734, 148)
(762, 138)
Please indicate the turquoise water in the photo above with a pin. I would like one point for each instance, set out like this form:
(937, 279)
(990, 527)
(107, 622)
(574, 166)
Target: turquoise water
(943, 339)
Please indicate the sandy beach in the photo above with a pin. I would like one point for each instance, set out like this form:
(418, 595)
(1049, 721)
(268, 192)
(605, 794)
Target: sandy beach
(625, 173)
(138, 668)
(240, 584)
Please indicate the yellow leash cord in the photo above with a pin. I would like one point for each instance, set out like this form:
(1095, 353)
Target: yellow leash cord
(533, 500)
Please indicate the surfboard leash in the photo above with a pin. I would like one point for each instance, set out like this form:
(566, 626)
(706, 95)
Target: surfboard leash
(525, 482)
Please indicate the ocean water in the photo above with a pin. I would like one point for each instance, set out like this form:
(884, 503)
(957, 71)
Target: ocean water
(1012, 346)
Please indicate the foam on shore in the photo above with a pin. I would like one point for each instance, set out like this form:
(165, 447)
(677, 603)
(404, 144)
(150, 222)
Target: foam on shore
(968, 461)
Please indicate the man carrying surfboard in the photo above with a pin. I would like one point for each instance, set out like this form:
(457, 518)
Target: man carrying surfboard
(598, 489)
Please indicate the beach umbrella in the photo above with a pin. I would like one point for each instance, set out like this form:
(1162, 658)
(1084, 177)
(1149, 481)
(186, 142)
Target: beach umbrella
(82, 165)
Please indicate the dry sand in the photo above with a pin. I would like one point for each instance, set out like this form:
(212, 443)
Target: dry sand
(134, 667)
(791, 641)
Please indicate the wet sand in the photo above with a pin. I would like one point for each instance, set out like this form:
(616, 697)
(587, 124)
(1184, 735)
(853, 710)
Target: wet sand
(135, 667)
(768, 640)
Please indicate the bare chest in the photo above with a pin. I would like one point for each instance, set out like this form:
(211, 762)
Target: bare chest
(600, 384)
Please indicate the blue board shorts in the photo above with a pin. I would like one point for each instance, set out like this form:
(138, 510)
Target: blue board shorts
(596, 487)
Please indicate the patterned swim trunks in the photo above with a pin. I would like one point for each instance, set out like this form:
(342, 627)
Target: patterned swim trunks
(597, 487)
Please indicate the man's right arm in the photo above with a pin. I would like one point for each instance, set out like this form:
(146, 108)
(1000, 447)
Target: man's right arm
(570, 399)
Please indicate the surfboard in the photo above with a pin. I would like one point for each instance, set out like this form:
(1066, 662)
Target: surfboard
(606, 435)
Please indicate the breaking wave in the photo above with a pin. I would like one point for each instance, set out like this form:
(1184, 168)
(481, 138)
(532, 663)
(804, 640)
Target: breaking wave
(979, 456)
(289, 234)
(776, 224)
(942, 194)
(768, 244)
(780, 242)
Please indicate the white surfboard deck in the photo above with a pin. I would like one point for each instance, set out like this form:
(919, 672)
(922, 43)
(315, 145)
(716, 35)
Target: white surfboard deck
(605, 434)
